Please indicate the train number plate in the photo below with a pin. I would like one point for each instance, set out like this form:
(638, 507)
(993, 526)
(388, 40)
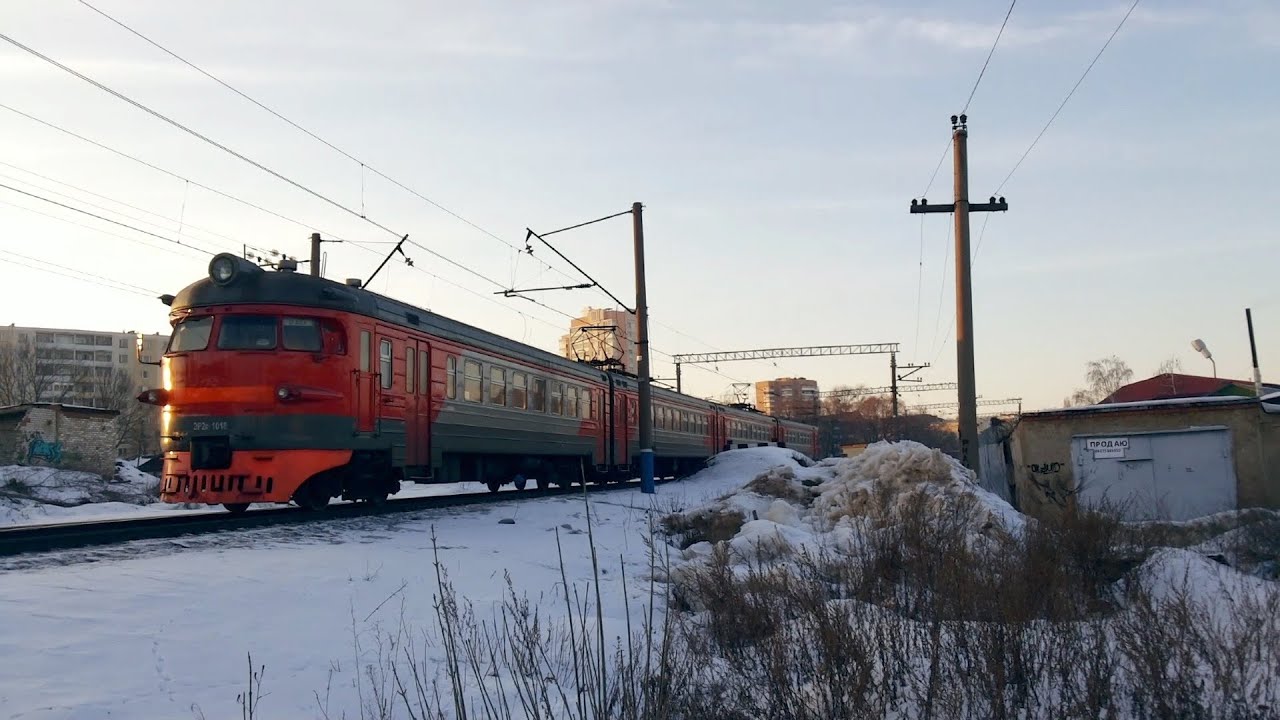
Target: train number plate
(210, 426)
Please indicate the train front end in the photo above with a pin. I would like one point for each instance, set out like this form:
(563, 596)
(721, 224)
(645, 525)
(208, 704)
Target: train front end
(254, 396)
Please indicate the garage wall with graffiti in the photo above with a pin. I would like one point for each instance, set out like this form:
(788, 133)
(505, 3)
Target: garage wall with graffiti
(66, 436)
(1163, 459)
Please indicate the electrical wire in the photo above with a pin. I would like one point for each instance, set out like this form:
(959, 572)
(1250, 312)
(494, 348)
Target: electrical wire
(102, 207)
(983, 71)
(364, 165)
(91, 278)
(194, 133)
(170, 173)
(1068, 97)
(105, 219)
(942, 291)
(236, 154)
(86, 226)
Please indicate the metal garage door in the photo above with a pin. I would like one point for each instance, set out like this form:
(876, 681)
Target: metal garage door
(1168, 475)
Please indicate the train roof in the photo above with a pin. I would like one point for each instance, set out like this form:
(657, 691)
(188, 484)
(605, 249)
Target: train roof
(253, 285)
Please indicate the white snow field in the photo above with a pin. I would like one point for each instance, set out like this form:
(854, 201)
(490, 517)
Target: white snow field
(161, 629)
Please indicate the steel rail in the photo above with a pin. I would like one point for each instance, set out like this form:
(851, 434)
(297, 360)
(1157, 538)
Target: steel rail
(47, 537)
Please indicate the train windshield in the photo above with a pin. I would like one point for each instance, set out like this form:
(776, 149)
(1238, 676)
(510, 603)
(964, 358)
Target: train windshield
(247, 332)
(191, 334)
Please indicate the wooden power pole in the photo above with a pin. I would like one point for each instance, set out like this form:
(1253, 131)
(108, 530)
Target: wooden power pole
(642, 356)
(965, 382)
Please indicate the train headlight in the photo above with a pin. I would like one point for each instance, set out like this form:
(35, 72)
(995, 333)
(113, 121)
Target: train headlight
(222, 269)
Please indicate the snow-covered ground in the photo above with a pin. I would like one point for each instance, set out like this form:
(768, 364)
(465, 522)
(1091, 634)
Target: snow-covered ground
(162, 628)
(153, 629)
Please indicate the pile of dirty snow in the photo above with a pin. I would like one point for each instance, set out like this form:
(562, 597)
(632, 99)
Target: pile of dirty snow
(837, 503)
(30, 493)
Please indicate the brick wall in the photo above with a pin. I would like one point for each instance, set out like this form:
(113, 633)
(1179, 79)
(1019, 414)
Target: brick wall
(62, 437)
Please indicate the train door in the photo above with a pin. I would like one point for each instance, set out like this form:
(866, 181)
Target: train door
(364, 388)
(390, 391)
(417, 416)
(617, 425)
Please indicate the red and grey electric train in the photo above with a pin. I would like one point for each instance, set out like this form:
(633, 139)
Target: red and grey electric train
(281, 386)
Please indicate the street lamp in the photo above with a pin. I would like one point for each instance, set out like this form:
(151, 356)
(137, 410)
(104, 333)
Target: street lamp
(1199, 346)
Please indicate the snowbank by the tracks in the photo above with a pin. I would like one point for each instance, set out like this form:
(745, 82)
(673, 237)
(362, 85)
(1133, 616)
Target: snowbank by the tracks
(792, 505)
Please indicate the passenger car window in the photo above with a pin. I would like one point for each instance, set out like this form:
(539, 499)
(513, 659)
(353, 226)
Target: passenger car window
(409, 373)
(538, 395)
(519, 383)
(471, 381)
(497, 386)
(247, 332)
(191, 334)
(301, 334)
(384, 362)
(557, 394)
(451, 377)
(424, 372)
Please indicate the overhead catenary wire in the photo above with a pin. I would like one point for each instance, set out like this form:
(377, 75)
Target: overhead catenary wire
(105, 219)
(364, 165)
(234, 153)
(105, 208)
(242, 157)
(86, 226)
(87, 276)
(195, 133)
(170, 173)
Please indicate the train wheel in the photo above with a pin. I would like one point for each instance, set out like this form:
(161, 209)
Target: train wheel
(520, 482)
(236, 508)
(494, 486)
(542, 483)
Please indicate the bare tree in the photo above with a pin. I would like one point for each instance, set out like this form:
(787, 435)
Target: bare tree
(1103, 377)
(1170, 365)
(31, 375)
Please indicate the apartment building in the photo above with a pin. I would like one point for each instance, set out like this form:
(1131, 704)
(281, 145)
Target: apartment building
(602, 335)
(75, 367)
(788, 397)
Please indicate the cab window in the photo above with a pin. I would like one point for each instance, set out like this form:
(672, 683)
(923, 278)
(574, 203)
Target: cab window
(247, 332)
(301, 334)
(191, 334)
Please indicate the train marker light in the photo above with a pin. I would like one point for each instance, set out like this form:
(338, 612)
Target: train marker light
(154, 397)
(222, 268)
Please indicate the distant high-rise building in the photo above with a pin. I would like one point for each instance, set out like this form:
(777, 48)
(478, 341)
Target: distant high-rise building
(602, 336)
(76, 367)
(788, 397)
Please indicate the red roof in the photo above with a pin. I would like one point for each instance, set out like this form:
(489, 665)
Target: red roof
(1174, 385)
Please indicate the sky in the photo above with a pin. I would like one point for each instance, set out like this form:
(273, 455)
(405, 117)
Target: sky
(775, 146)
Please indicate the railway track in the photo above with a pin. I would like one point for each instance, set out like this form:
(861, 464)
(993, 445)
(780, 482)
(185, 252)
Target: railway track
(32, 539)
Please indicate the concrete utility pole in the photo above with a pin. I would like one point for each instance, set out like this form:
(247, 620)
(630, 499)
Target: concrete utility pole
(1253, 350)
(642, 356)
(964, 293)
(315, 254)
